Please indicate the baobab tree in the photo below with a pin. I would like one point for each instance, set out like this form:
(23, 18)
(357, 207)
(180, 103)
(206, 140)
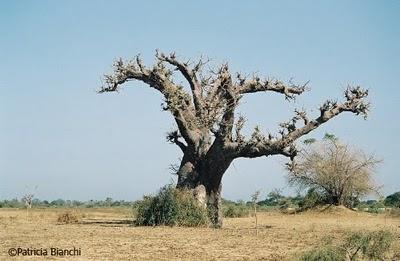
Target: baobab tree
(208, 133)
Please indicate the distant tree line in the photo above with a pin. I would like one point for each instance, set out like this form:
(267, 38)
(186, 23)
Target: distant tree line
(274, 200)
(61, 203)
(312, 199)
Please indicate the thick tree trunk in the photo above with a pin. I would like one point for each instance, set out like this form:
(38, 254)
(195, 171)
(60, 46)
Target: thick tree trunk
(201, 170)
(209, 196)
(204, 178)
(214, 205)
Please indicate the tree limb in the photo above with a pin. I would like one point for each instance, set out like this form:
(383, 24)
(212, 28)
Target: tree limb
(230, 100)
(189, 74)
(176, 99)
(173, 137)
(257, 85)
(211, 107)
(354, 103)
(260, 145)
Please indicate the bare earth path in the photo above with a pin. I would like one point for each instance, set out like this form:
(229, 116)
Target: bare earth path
(107, 234)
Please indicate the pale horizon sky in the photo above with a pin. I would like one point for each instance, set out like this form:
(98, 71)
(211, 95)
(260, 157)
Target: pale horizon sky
(58, 134)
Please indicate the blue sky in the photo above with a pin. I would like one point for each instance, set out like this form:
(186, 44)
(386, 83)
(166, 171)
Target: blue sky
(57, 134)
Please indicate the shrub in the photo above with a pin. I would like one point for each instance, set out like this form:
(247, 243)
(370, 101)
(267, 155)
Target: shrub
(326, 253)
(376, 207)
(312, 199)
(171, 207)
(371, 245)
(273, 198)
(67, 218)
(357, 246)
(285, 204)
(235, 210)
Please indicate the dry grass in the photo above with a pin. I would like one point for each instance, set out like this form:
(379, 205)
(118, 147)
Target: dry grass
(108, 234)
(67, 218)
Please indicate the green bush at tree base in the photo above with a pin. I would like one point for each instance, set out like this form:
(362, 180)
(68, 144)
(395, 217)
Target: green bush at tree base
(171, 207)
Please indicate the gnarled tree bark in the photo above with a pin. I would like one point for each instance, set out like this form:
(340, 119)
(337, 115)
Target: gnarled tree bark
(208, 133)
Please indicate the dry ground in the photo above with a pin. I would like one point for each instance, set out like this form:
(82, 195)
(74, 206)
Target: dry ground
(107, 234)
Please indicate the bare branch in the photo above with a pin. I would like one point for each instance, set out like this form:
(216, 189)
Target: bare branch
(354, 103)
(259, 145)
(173, 137)
(230, 101)
(188, 73)
(177, 101)
(257, 85)
(238, 127)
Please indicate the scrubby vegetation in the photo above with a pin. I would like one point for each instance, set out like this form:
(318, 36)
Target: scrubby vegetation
(233, 209)
(357, 246)
(371, 245)
(312, 199)
(372, 206)
(325, 253)
(171, 207)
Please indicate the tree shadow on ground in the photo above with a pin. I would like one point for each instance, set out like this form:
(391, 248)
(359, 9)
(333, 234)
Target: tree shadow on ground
(108, 222)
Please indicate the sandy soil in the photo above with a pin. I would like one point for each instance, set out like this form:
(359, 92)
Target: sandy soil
(108, 234)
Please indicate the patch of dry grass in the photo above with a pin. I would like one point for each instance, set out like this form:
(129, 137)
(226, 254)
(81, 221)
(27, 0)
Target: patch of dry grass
(109, 234)
(67, 218)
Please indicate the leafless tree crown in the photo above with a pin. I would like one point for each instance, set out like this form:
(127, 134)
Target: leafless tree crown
(209, 107)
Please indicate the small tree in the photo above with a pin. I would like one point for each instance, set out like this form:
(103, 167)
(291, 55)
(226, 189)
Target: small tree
(108, 202)
(274, 197)
(27, 199)
(334, 170)
(254, 199)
